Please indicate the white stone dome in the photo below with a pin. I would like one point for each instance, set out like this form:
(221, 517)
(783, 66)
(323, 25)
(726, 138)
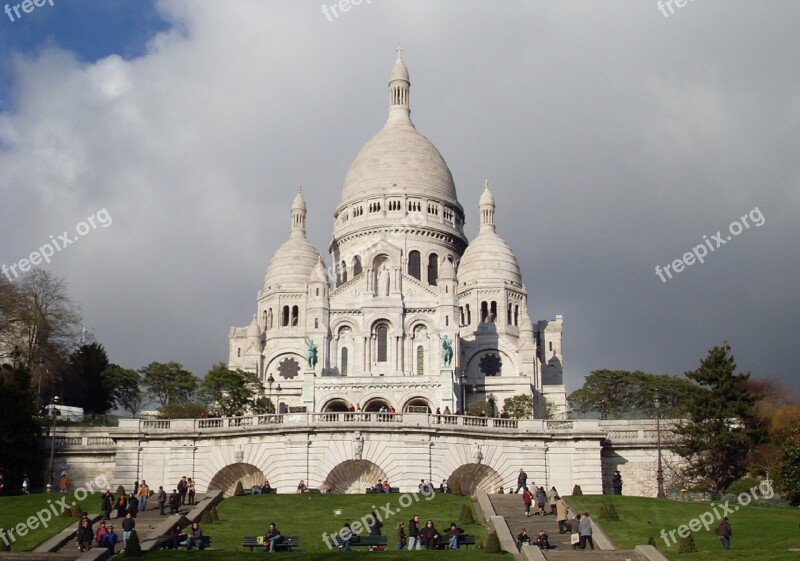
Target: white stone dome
(488, 259)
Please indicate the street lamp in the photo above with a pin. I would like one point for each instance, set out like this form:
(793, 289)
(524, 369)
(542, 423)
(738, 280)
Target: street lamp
(463, 380)
(603, 409)
(54, 412)
(271, 381)
(279, 389)
(660, 471)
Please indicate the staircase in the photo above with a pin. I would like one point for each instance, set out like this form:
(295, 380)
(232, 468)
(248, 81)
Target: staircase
(512, 509)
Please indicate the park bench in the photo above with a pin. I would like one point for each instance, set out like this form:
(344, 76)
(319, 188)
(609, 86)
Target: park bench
(463, 540)
(391, 490)
(369, 541)
(287, 543)
(272, 491)
(163, 542)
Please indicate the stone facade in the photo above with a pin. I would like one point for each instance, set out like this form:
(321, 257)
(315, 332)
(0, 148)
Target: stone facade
(410, 315)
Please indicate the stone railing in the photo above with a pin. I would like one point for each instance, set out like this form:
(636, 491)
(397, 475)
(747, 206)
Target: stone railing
(95, 443)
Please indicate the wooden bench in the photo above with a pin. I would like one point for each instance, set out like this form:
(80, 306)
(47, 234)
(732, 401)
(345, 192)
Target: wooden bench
(369, 541)
(163, 542)
(287, 543)
(464, 539)
(391, 490)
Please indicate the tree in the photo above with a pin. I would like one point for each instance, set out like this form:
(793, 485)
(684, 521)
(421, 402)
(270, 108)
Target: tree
(232, 392)
(722, 429)
(787, 479)
(184, 410)
(779, 411)
(125, 387)
(84, 385)
(519, 406)
(20, 445)
(626, 393)
(169, 382)
(479, 409)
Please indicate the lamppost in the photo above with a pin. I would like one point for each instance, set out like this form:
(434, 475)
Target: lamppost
(603, 409)
(660, 471)
(54, 412)
(463, 380)
(271, 381)
(279, 389)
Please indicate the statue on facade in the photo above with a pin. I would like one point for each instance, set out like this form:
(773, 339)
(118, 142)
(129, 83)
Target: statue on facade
(358, 445)
(477, 455)
(311, 353)
(447, 350)
(383, 282)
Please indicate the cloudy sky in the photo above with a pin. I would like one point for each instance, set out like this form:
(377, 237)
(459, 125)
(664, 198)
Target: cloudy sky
(614, 138)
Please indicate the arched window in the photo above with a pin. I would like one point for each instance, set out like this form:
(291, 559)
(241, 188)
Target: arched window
(550, 345)
(239, 352)
(461, 314)
(413, 265)
(269, 319)
(468, 316)
(285, 318)
(343, 362)
(316, 323)
(433, 269)
(420, 360)
(295, 316)
(344, 272)
(493, 312)
(357, 268)
(509, 320)
(516, 315)
(484, 312)
(383, 335)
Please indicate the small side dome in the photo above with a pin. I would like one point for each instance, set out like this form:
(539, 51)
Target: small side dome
(292, 264)
(488, 259)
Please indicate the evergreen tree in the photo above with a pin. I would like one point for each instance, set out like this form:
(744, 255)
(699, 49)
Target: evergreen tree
(787, 481)
(84, 385)
(722, 428)
(20, 445)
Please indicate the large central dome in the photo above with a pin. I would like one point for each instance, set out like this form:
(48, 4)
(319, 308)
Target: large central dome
(399, 160)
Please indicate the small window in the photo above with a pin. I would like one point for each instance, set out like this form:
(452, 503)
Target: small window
(357, 268)
(468, 316)
(550, 345)
(295, 316)
(316, 323)
(285, 318)
(383, 336)
(433, 269)
(343, 362)
(484, 312)
(239, 352)
(493, 312)
(414, 265)
(420, 360)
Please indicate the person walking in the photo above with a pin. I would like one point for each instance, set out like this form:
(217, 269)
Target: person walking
(616, 482)
(541, 500)
(561, 516)
(63, 483)
(161, 498)
(574, 529)
(110, 539)
(585, 531)
(128, 524)
(413, 533)
(190, 491)
(107, 504)
(527, 500)
(522, 480)
(724, 532)
(144, 493)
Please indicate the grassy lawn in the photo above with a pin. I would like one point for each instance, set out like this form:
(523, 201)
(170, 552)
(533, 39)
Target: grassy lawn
(18, 510)
(308, 516)
(763, 534)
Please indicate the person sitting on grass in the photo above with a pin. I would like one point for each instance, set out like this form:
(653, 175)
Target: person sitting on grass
(273, 537)
(266, 487)
(301, 487)
(542, 541)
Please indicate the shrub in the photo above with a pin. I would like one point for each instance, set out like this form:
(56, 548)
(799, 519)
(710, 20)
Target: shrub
(214, 514)
(608, 512)
(134, 548)
(239, 492)
(576, 491)
(465, 516)
(742, 485)
(686, 545)
(493, 543)
(652, 541)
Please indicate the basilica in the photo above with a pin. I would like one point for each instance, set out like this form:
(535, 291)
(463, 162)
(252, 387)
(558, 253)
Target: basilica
(409, 315)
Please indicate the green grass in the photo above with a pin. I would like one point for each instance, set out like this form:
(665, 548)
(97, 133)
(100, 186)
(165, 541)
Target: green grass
(762, 534)
(18, 510)
(308, 516)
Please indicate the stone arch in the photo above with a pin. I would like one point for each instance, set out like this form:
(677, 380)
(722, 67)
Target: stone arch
(354, 476)
(334, 405)
(470, 478)
(417, 401)
(374, 404)
(227, 478)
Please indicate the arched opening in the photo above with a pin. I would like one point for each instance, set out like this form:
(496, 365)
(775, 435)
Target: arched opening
(269, 318)
(414, 268)
(285, 317)
(382, 343)
(433, 269)
(470, 478)
(509, 320)
(343, 362)
(484, 312)
(468, 315)
(493, 312)
(374, 405)
(417, 405)
(357, 267)
(344, 272)
(227, 478)
(516, 315)
(354, 476)
(335, 405)
(295, 316)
